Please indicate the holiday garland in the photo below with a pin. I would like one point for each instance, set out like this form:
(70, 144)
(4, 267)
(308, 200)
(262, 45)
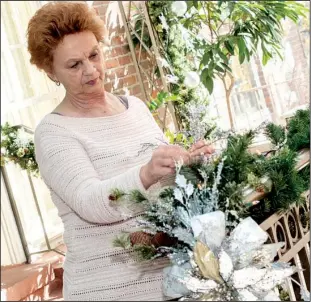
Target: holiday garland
(17, 146)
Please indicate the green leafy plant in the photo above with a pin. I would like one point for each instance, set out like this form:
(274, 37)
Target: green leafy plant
(235, 28)
(161, 99)
(299, 130)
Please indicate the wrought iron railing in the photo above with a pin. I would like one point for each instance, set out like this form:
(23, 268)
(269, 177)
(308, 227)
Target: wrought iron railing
(16, 212)
(293, 228)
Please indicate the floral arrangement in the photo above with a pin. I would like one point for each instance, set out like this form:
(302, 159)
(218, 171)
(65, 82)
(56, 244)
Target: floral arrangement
(17, 146)
(205, 227)
(215, 254)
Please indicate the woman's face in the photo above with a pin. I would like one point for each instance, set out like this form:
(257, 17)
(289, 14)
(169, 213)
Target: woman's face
(78, 64)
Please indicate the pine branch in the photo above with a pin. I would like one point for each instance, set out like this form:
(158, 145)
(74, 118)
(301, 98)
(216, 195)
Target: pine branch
(275, 133)
(122, 241)
(137, 197)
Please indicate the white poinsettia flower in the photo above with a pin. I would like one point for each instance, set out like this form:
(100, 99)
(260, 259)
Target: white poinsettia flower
(241, 259)
(210, 228)
(272, 296)
(248, 236)
(225, 265)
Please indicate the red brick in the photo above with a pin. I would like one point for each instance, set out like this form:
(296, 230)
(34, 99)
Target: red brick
(119, 51)
(129, 81)
(108, 87)
(118, 40)
(125, 60)
(146, 64)
(112, 63)
(121, 72)
(135, 90)
(100, 3)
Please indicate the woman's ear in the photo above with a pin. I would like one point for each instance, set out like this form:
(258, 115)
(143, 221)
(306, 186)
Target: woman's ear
(51, 76)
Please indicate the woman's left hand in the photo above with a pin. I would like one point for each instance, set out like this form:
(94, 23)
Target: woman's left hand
(200, 148)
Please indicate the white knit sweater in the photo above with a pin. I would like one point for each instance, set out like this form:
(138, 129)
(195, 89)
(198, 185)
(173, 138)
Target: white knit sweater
(81, 160)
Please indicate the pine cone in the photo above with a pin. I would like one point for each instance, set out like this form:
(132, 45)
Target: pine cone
(140, 238)
(162, 239)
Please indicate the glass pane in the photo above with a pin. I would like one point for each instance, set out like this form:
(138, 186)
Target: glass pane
(10, 25)
(28, 212)
(20, 63)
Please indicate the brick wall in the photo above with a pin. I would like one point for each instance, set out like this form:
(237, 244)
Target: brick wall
(121, 76)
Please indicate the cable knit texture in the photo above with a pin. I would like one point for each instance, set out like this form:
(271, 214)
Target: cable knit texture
(81, 160)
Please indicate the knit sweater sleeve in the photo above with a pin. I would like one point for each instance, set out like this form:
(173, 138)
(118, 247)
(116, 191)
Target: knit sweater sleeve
(67, 170)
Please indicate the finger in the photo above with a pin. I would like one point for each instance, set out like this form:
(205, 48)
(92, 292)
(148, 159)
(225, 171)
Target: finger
(177, 154)
(168, 150)
(203, 151)
(195, 159)
(167, 171)
(197, 145)
(167, 162)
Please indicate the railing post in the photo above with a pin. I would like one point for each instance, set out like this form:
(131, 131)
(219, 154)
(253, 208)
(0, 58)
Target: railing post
(16, 214)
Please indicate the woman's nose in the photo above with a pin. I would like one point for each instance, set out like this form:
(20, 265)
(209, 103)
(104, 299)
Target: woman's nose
(89, 68)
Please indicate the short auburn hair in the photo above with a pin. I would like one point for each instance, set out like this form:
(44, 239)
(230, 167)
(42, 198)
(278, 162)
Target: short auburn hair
(52, 22)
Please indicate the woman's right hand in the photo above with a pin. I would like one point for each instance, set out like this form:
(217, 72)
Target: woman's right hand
(162, 163)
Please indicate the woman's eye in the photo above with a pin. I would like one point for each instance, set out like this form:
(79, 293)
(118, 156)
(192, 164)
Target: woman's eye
(75, 65)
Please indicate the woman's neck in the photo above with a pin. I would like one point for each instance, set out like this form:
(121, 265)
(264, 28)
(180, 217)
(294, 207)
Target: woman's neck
(94, 106)
(85, 102)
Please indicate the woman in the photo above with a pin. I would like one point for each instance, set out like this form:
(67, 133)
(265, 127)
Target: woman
(90, 144)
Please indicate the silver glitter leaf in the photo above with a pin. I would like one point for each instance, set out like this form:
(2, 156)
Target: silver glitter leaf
(179, 258)
(178, 195)
(172, 280)
(184, 235)
(181, 181)
(189, 189)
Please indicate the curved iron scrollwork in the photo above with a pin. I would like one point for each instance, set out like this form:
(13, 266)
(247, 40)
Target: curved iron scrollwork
(293, 228)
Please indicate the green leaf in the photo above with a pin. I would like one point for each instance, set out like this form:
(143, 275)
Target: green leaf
(229, 47)
(265, 58)
(207, 80)
(220, 69)
(242, 49)
(207, 57)
(226, 66)
(247, 10)
(222, 55)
